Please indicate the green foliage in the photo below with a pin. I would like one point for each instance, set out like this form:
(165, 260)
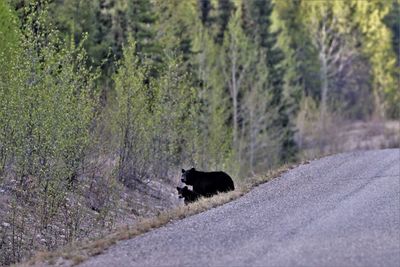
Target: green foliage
(59, 89)
(224, 10)
(133, 108)
(170, 14)
(393, 22)
(231, 54)
(141, 18)
(204, 10)
(155, 121)
(377, 46)
(257, 22)
(50, 102)
(9, 34)
(215, 142)
(216, 84)
(76, 18)
(351, 49)
(236, 89)
(9, 50)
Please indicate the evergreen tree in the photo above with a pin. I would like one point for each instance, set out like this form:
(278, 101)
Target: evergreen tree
(393, 22)
(141, 19)
(215, 140)
(257, 23)
(175, 26)
(236, 59)
(290, 39)
(204, 9)
(377, 46)
(223, 12)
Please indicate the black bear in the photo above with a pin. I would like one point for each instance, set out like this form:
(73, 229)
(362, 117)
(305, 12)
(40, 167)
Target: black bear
(188, 195)
(207, 183)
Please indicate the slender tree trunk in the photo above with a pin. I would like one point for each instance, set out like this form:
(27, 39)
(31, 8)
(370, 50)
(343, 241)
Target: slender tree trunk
(324, 89)
(234, 90)
(252, 140)
(379, 106)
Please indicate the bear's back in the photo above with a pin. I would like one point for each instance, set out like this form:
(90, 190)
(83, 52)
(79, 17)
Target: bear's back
(209, 183)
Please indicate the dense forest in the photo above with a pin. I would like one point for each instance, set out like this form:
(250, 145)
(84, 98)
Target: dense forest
(155, 85)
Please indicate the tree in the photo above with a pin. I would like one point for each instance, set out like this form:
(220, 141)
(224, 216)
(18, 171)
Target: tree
(132, 117)
(257, 23)
(215, 140)
(205, 8)
(154, 119)
(236, 58)
(377, 46)
(56, 91)
(141, 20)
(260, 140)
(334, 46)
(392, 21)
(50, 100)
(9, 50)
(224, 10)
(175, 25)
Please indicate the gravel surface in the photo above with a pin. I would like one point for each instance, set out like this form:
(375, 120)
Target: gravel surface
(342, 210)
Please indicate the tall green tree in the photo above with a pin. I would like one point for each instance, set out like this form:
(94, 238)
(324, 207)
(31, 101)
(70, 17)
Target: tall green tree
(74, 19)
(141, 19)
(236, 59)
(377, 46)
(223, 11)
(392, 21)
(55, 89)
(133, 110)
(10, 38)
(257, 23)
(334, 46)
(205, 7)
(215, 141)
(261, 141)
(155, 123)
(175, 25)
(50, 100)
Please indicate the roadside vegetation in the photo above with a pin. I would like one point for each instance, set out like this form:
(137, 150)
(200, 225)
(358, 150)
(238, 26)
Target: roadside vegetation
(103, 102)
(75, 253)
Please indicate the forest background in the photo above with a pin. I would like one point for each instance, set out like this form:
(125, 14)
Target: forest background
(102, 102)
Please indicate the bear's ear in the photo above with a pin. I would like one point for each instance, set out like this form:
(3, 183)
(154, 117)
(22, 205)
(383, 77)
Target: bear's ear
(183, 171)
(185, 188)
(192, 169)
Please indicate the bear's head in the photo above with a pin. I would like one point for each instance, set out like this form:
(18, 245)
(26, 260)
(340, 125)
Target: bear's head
(180, 191)
(187, 176)
(188, 195)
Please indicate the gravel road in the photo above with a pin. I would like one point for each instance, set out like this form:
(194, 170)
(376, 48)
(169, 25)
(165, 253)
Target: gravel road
(341, 210)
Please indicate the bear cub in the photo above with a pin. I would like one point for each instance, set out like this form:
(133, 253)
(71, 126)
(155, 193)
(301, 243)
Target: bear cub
(207, 183)
(188, 195)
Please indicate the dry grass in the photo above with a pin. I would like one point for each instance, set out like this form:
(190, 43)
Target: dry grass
(74, 254)
(345, 136)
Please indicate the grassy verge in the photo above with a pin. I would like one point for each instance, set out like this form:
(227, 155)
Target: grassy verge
(76, 253)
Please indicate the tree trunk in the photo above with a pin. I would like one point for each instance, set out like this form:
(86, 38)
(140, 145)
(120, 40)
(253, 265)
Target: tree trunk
(234, 93)
(324, 89)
